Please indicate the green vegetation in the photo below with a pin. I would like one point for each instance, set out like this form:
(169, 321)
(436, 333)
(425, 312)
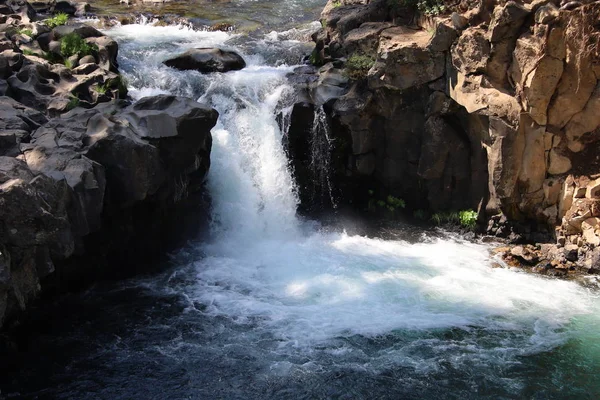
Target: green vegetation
(466, 218)
(315, 58)
(391, 203)
(420, 214)
(445, 218)
(337, 4)
(28, 52)
(51, 57)
(68, 64)
(58, 20)
(358, 65)
(102, 88)
(426, 7)
(122, 86)
(26, 32)
(73, 102)
(72, 44)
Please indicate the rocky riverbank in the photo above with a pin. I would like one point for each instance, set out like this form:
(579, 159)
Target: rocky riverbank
(89, 183)
(483, 105)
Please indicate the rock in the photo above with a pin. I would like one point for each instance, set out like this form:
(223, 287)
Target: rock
(470, 53)
(571, 252)
(525, 255)
(546, 14)
(558, 164)
(365, 39)
(83, 30)
(584, 122)
(403, 60)
(458, 21)
(82, 9)
(64, 7)
(207, 60)
(87, 60)
(537, 75)
(107, 54)
(331, 84)
(349, 17)
(507, 21)
(88, 174)
(590, 227)
(443, 37)
(74, 60)
(593, 190)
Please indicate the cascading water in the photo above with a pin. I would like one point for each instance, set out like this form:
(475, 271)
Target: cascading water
(274, 307)
(320, 159)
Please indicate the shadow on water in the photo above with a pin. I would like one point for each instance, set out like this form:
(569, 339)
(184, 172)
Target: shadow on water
(150, 338)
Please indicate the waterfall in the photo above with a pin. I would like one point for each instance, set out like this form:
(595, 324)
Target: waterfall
(320, 159)
(273, 306)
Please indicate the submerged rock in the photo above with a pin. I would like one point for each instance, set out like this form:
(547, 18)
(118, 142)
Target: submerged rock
(207, 60)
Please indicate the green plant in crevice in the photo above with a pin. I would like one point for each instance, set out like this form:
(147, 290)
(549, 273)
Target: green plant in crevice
(102, 88)
(68, 64)
(73, 44)
(358, 65)
(337, 3)
(26, 32)
(464, 218)
(395, 202)
(447, 217)
(73, 102)
(390, 203)
(57, 20)
(468, 218)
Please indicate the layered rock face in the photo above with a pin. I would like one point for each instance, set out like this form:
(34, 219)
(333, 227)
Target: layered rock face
(92, 186)
(492, 106)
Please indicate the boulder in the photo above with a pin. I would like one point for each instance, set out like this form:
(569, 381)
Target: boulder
(207, 60)
(92, 181)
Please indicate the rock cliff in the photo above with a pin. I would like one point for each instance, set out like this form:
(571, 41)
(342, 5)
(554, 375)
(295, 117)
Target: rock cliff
(89, 186)
(490, 105)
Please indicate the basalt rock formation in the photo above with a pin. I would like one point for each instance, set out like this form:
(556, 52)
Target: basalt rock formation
(90, 186)
(207, 60)
(492, 105)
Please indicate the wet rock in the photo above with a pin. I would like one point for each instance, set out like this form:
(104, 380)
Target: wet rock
(207, 60)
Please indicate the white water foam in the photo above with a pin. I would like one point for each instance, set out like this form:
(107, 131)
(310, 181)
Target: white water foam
(306, 289)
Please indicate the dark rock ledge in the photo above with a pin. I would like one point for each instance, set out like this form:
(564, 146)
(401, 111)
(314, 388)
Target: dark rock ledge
(90, 185)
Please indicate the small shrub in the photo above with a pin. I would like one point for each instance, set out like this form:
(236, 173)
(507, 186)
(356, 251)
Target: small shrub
(58, 20)
(102, 88)
(73, 102)
(28, 52)
(445, 218)
(395, 202)
(68, 64)
(358, 65)
(468, 218)
(51, 57)
(337, 4)
(26, 32)
(72, 44)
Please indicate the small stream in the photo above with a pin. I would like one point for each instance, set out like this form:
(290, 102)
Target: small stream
(275, 306)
